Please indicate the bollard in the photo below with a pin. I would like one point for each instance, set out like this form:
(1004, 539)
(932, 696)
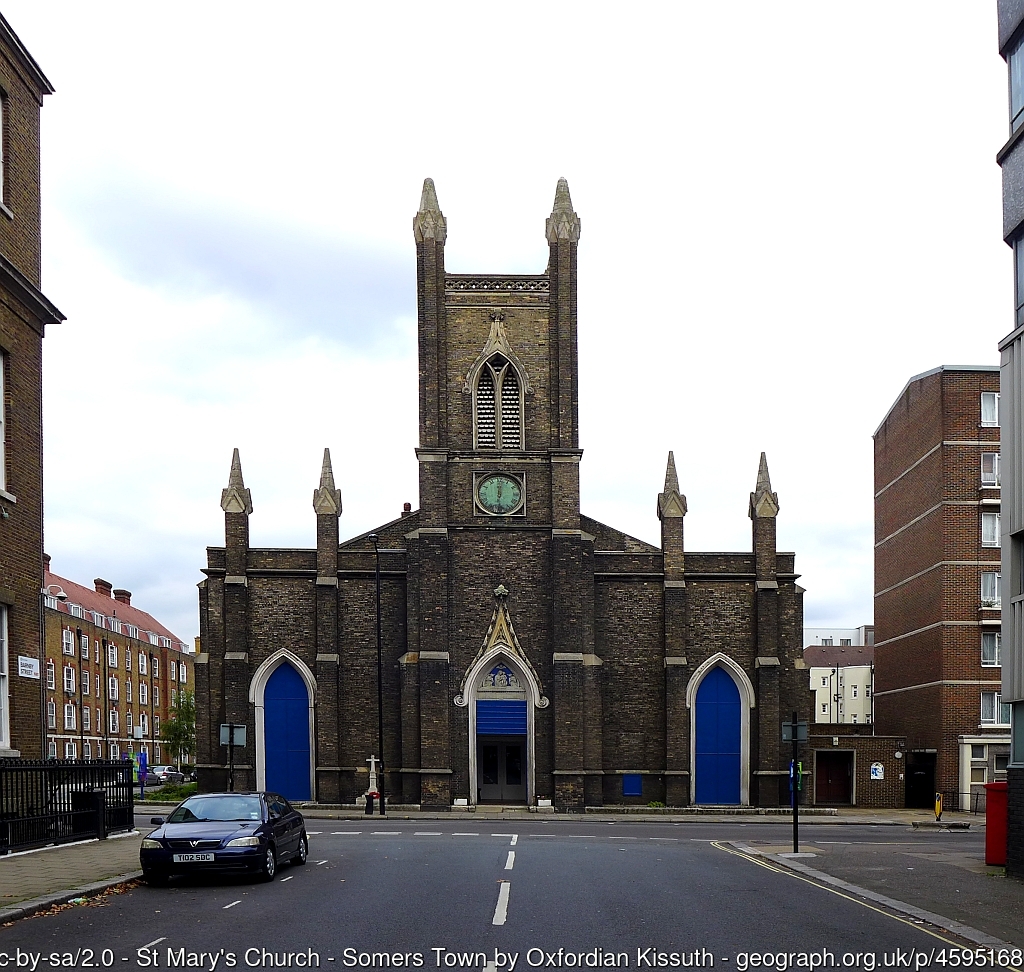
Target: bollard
(369, 804)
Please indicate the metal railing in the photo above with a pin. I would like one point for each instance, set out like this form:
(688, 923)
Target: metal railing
(63, 800)
(964, 801)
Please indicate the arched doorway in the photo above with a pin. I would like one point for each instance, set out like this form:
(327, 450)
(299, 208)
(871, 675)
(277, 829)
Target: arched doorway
(283, 694)
(718, 739)
(501, 736)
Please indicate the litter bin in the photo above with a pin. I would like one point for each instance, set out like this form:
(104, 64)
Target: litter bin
(995, 822)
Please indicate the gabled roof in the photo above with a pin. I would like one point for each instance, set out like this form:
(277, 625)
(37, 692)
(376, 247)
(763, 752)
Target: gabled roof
(833, 656)
(28, 62)
(91, 600)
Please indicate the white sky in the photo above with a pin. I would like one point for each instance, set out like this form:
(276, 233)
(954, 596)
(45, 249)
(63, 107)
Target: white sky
(788, 209)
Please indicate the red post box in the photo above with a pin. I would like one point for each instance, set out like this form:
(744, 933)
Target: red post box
(996, 798)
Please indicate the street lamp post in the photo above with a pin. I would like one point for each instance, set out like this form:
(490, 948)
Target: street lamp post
(380, 678)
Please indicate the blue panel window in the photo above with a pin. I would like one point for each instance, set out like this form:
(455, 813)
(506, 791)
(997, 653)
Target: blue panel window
(498, 717)
(632, 784)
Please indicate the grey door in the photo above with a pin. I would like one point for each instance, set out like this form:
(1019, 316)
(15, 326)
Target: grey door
(501, 769)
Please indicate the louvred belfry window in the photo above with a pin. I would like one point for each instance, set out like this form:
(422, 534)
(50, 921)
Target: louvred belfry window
(499, 406)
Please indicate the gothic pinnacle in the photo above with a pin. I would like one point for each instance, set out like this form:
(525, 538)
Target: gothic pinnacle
(327, 499)
(671, 502)
(429, 222)
(763, 502)
(563, 223)
(236, 498)
(671, 478)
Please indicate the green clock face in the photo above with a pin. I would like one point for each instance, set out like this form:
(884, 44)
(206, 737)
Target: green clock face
(500, 494)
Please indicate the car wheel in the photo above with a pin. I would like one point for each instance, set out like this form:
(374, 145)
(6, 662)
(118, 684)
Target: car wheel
(303, 852)
(155, 879)
(269, 863)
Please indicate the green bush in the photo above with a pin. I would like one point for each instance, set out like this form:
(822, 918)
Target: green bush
(656, 805)
(171, 793)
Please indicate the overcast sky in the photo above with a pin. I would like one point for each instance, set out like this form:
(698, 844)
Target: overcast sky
(788, 210)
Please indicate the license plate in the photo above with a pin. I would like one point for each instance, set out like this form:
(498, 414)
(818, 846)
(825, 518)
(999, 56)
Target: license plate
(192, 858)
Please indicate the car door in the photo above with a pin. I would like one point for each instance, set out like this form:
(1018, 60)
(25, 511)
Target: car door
(280, 824)
(295, 824)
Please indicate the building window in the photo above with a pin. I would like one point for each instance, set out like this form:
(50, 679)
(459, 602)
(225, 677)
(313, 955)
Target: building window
(127, 659)
(990, 596)
(990, 469)
(5, 726)
(96, 656)
(854, 687)
(867, 691)
(824, 681)
(991, 649)
(174, 670)
(112, 688)
(174, 698)
(51, 714)
(990, 400)
(128, 721)
(845, 642)
(143, 723)
(70, 722)
(115, 750)
(127, 690)
(156, 668)
(156, 695)
(69, 679)
(133, 632)
(84, 646)
(142, 663)
(826, 642)
(51, 675)
(112, 656)
(994, 711)
(824, 707)
(978, 751)
(115, 726)
(67, 641)
(853, 718)
(1015, 65)
(143, 694)
(156, 724)
(87, 750)
(990, 529)
(978, 774)
(85, 682)
(156, 749)
(499, 405)
(51, 749)
(87, 719)
(182, 674)
(75, 610)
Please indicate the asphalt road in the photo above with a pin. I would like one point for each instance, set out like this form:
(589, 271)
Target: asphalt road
(449, 895)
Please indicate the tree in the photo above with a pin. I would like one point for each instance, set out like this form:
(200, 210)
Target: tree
(179, 732)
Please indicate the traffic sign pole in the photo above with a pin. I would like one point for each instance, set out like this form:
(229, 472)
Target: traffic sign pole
(793, 784)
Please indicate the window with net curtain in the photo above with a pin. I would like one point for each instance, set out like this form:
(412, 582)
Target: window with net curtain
(499, 406)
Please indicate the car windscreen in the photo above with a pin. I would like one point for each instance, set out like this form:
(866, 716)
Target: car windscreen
(217, 808)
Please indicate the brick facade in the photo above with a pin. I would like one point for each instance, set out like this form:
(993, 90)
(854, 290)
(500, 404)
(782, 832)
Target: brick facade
(607, 637)
(24, 314)
(930, 618)
(95, 636)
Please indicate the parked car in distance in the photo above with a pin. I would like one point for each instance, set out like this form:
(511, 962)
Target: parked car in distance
(235, 833)
(163, 773)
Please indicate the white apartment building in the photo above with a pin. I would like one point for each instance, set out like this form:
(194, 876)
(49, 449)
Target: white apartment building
(841, 681)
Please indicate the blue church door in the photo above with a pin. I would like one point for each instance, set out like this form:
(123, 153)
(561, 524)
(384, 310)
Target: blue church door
(717, 743)
(286, 733)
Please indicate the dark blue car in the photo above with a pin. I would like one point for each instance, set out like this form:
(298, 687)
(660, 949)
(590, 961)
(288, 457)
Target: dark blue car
(233, 833)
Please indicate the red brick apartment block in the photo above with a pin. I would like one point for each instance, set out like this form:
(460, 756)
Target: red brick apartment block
(937, 566)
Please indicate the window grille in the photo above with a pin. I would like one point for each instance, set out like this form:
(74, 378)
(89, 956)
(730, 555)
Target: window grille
(485, 410)
(499, 406)
(510, 437)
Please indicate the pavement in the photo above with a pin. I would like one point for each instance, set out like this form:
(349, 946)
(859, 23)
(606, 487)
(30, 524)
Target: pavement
(930, 874)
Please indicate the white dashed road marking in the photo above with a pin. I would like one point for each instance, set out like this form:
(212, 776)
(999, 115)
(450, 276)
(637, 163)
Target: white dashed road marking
(233, 903)
(622, 838)
(458, 834)
(313, 833)
(318, 863)
(428, 833)
(387, 833)
(514, 841)
(290, 876)
(510, 860)
(501, 908)
(350, 833)
(156, 942)
(664, 838)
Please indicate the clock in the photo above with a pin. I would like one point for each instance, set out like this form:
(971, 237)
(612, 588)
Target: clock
(499, 494)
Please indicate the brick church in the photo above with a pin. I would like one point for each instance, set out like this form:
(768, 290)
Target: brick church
(530, 653)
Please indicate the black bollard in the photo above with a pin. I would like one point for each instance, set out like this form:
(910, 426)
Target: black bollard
(369, 804)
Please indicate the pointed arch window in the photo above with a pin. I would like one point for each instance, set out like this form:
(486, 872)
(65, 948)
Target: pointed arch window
(499, 405)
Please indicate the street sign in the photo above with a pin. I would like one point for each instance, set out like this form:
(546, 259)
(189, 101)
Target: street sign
(227, 729)
(801, 732)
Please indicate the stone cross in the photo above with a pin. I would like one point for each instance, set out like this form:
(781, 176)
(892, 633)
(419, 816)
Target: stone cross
(372, 788)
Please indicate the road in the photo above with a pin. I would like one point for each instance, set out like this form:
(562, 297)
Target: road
(448, 895)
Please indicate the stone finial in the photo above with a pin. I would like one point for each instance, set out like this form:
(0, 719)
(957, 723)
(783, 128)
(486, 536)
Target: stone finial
(671, 502)
(563, 223)
(429, 222)
(236, 498)
(327, 499)
(763, 502)
(501, 591)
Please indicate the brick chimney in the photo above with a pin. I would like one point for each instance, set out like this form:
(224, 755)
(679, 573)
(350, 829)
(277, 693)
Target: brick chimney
(103, 587)
(407, 509)
(125, 597)
(46, 561)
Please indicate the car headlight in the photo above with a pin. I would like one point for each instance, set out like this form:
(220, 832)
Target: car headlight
(148, 844)
(244, 842)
